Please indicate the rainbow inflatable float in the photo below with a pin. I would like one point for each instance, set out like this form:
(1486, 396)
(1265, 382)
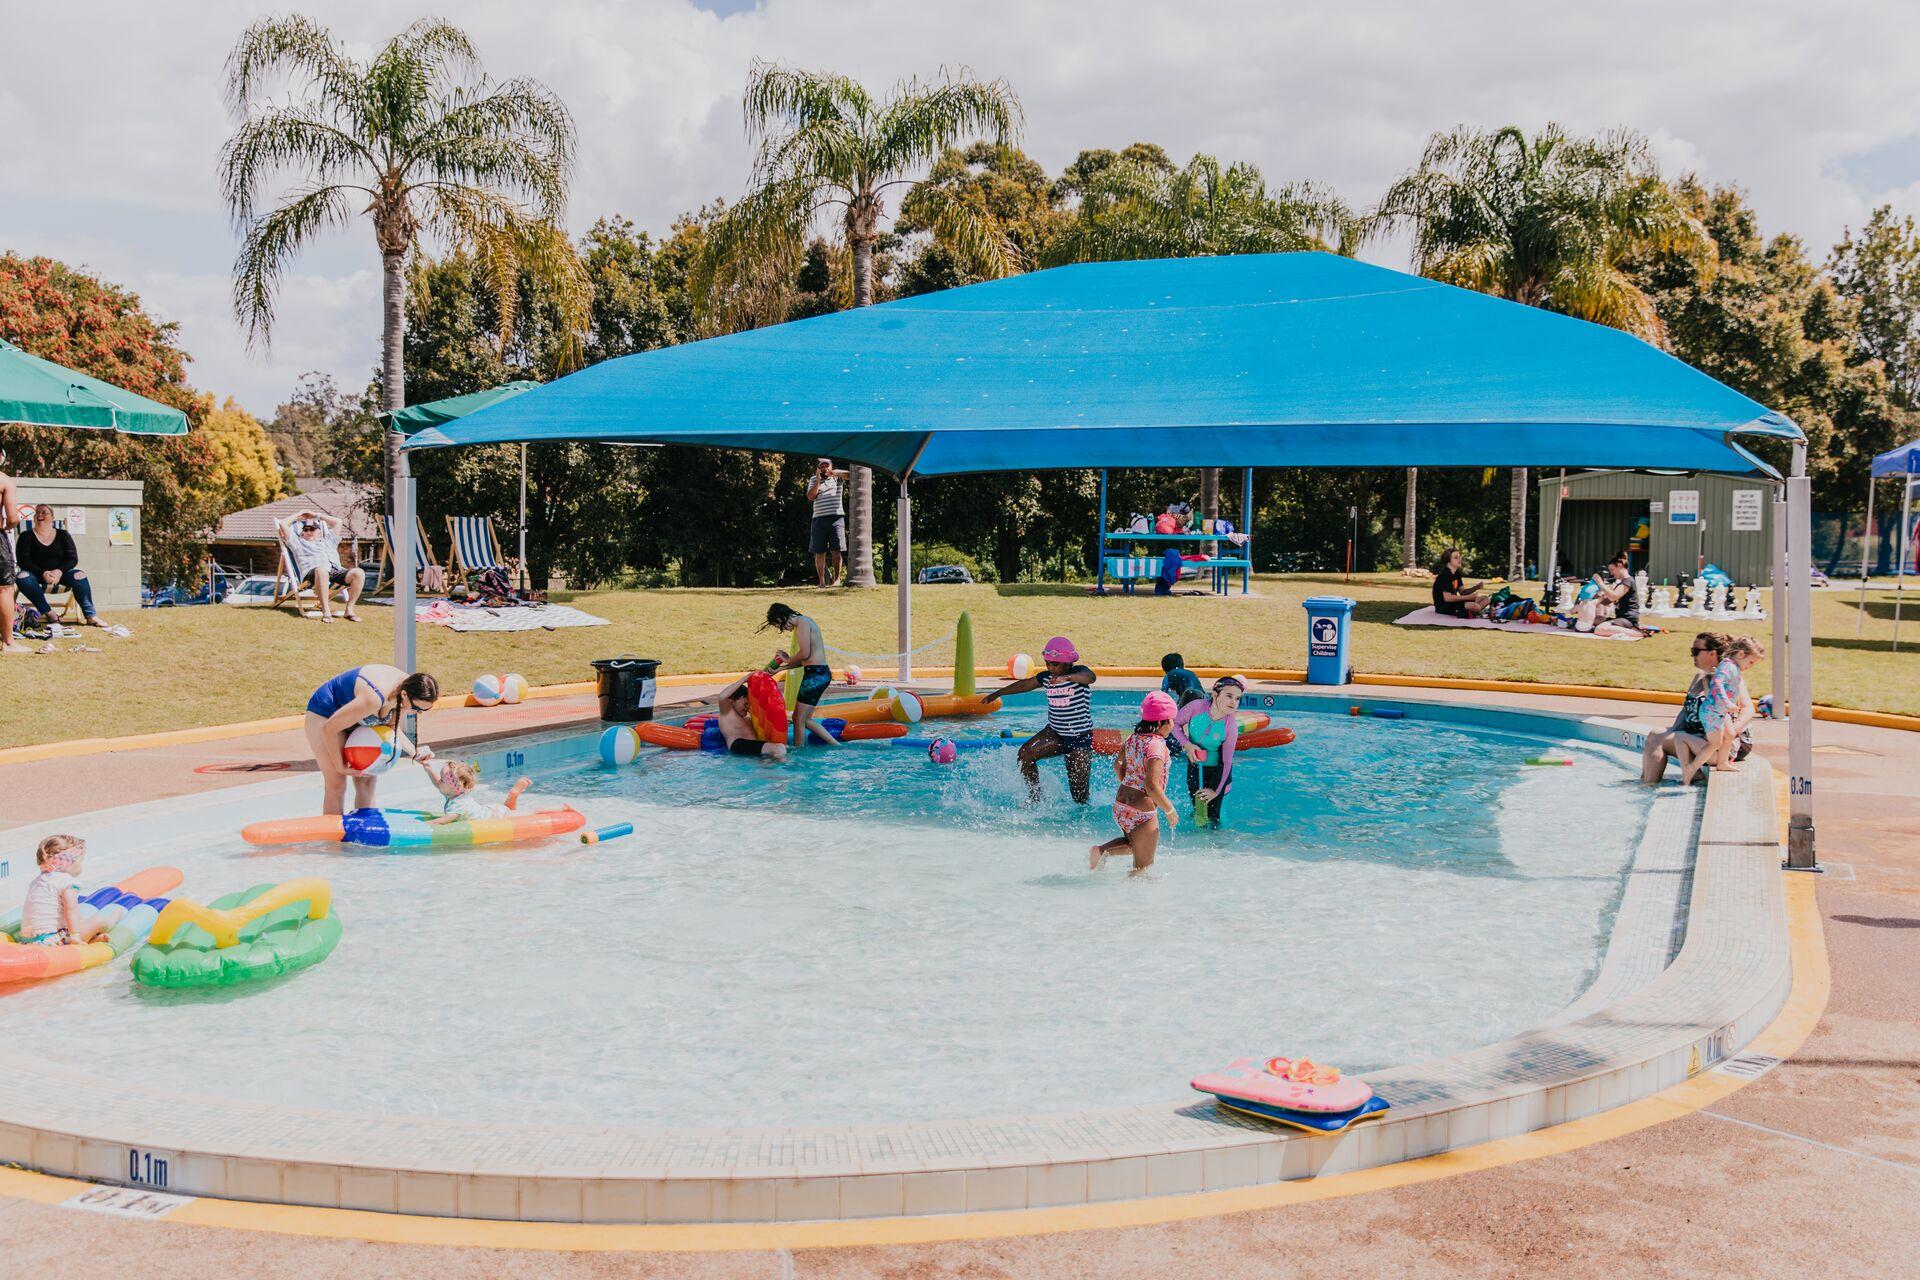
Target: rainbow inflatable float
(1294, 1092)
(133, 905)
(413, 829)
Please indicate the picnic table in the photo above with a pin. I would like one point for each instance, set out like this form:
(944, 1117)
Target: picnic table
(1128, 568)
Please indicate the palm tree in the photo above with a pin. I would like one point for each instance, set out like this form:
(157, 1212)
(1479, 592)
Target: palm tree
(1140, 206)
(825, 143)
(1550, 221)
(419, 140)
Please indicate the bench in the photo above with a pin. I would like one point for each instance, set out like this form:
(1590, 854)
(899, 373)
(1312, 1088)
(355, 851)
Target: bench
(1131, 569)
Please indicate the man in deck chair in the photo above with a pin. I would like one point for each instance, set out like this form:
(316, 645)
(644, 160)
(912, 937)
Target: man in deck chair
(313, 540)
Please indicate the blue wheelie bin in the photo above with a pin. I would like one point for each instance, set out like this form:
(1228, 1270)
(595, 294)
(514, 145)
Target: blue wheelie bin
(1328, 624)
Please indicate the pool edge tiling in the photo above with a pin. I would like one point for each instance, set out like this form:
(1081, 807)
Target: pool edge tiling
(1653, 1030)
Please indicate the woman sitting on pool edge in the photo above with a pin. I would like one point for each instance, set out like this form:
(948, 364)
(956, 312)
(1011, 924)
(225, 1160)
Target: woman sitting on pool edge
(1069, 728)
(1141, 765)
(736, 726)
(374, 694)
(1208, 731)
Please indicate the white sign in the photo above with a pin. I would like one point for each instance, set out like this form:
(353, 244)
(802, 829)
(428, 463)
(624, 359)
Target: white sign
(77, 521)
(1747, 507)
(1656, 507)
(1683, 506)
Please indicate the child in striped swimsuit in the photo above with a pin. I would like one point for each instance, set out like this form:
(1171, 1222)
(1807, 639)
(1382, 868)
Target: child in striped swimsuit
(1069, 728)
(1142, 767)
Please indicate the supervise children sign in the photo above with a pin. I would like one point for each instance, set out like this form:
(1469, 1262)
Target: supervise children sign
(1683, 506)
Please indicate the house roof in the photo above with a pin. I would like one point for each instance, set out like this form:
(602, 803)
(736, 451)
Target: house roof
(348, 501)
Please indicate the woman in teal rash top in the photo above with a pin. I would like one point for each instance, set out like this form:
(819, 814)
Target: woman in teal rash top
(1208, 731)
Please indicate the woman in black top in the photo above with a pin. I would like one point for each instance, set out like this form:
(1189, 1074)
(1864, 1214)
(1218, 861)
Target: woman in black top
(49, 561)
(1450, 593)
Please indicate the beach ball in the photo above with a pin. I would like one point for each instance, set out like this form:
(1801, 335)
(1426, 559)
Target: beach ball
(619, 744)
(1020, 666)
(882, 694)
(486, 691)
(942, 751)
(906, 707)
(513, 688)
(368, 750)
(853, 675)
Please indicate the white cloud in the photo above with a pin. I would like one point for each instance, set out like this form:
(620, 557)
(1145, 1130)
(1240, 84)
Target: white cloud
(1806, 107)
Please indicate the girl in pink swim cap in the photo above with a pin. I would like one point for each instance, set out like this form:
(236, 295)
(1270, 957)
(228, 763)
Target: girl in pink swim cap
(1142, 767)
(1069, 727)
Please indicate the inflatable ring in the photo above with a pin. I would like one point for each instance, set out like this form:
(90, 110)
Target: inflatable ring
(702, 733)
(257, 933)
(1253, 721)
(1279, 736)
(932, 707)
(767, 707)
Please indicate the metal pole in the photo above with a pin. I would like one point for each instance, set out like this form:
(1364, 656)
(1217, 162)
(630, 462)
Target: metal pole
(1906, 552)
(1100, 542)
(1777, 600)
(1866, 551)
(404, 575)
(1246, 527)
(1800, 840)
(525, 577)
(904, 554)
(1550, 571)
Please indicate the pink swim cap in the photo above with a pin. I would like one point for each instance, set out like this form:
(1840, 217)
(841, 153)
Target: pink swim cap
(1060, 649)
(1157, 706)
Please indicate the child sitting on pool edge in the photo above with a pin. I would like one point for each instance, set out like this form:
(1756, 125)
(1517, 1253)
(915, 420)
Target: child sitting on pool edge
(50, 915)
(459, 782)
(1142, 766)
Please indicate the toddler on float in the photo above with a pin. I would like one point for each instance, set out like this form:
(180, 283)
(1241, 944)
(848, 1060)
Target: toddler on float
(459, 782)
(50, 915)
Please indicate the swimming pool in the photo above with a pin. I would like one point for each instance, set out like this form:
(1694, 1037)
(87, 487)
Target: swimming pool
(863, 936)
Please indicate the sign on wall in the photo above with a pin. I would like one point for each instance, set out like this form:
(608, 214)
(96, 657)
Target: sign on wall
(1748, 506)
(77, 521)
(120, 526)
(1683, 506)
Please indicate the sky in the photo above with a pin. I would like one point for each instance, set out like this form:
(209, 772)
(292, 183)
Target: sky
(114, 118)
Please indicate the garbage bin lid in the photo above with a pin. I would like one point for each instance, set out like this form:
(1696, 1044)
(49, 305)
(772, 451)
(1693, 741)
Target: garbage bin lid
(624, 660)
(1328, 604)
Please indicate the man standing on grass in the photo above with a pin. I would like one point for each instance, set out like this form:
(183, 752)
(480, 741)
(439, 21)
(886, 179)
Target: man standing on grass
(829, 541)
(9, 574)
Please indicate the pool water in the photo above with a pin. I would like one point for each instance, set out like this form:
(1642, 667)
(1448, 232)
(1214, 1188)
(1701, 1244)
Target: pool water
(861, 935)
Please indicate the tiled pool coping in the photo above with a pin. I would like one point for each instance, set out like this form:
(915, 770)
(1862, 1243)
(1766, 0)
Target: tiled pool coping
(1652, 1028)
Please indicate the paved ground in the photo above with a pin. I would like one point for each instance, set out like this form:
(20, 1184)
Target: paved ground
(1814, 1170)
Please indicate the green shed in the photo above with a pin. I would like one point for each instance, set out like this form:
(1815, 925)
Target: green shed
(1668, 525)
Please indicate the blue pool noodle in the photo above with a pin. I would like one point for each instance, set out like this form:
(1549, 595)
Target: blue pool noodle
(604, 834)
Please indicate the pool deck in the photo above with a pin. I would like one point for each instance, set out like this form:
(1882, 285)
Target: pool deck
(1845, 1108)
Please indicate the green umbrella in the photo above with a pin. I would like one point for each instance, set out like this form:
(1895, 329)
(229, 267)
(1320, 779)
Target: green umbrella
(41, 393)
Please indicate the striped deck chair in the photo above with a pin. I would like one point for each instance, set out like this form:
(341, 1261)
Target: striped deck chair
(475, 548)
(288, 586)
(422, 555)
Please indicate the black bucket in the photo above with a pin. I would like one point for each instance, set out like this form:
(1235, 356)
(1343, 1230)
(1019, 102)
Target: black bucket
(626, 687)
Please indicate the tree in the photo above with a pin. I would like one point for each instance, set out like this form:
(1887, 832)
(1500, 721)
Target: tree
(825, 143)
(318, 431)
(1005, 188)
(417, 138)
(74, 319)
(1762, 319)
(1880, 272)
(243, 471)
(1548, 221)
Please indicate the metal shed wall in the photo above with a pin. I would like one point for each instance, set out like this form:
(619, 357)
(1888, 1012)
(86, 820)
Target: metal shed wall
(1672, 549)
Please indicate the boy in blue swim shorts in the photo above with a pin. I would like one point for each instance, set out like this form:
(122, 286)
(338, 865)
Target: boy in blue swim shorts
(810, 656)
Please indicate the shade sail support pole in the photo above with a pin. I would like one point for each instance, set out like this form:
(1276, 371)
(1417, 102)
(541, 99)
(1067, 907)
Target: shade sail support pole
(1905, 547)
(1246, 527)
(1100, 541)
(405, 575)
(526, 578)
(904, 568)
(1777, 598)
(1800, 841)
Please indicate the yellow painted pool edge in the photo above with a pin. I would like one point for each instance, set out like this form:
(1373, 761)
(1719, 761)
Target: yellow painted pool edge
(1806, 1001)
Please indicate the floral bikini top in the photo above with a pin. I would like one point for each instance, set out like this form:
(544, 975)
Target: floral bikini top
(1140, 748)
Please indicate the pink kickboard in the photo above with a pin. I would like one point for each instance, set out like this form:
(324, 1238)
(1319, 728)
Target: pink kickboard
(1248, 1079)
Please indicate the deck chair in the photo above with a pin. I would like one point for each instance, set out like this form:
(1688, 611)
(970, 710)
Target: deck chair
(288, 586)
(475, 548)
(422, 555)
(60, 597)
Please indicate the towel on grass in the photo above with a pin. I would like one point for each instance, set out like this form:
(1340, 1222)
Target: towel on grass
(532, 617)
(1429, 617)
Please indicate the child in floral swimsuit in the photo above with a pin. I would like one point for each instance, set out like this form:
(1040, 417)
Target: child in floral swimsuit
(1142, 767)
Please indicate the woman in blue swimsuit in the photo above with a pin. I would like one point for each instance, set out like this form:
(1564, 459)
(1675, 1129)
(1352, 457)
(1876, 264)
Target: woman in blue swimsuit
(373, 694)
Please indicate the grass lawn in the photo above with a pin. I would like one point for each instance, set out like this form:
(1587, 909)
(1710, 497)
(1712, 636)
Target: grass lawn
(211, 665)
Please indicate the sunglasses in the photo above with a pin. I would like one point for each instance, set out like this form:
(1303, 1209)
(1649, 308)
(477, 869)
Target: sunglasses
(1700, 649)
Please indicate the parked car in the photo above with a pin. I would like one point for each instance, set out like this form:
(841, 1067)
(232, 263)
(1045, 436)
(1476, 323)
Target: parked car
(936, 574)
(254, 589)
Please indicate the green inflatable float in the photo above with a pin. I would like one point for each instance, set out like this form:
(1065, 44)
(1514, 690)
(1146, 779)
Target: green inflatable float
(257, 933)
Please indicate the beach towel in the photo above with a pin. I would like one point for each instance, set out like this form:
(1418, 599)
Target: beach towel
(1427, 617)
(534, 617)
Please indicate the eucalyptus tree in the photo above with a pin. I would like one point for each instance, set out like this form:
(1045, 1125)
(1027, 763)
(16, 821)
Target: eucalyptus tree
(417, 139)
(1550, 220)
(827, 148)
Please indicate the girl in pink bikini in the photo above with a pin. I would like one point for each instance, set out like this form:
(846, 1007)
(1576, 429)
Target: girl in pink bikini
(1142, 767)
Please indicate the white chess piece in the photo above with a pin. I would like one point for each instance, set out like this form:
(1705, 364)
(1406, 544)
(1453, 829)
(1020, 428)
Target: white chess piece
(1662, 600)
(1565, 602)
(1640, 589)
(1717, 599)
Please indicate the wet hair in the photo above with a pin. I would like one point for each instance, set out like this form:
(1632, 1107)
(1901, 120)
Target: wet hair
(1745, 644)
(1171, 661)
(778, 616)
(420, 689)
(53, 845)
(1224, 681)
(1146, 726)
